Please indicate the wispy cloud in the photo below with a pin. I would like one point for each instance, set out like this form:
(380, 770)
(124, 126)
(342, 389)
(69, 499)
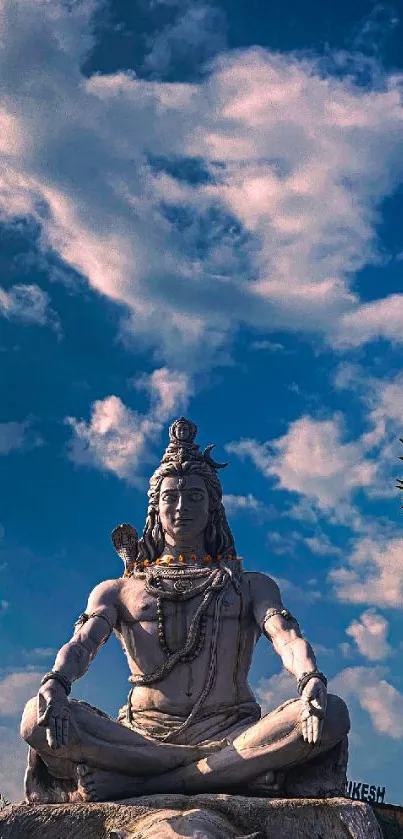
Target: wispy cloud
(376, 695)
(15, 690)
(29, 304)
(372, 574)
(194, 33)
(13, 760)
(308, 593)
(271, 346)
(377, 319)
(321, 545)
(39, 653)
(382, 399)
(169, 391)
(312, 460)
(114, 439)
(293, 154)
(242, 503)
(274, 691)
(16, 436)
(369, 633)
(316, 460)
(374, 29)
(284, 544)
(117, 438)
(290, 542)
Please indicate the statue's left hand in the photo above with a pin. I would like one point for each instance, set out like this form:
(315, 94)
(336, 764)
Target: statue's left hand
(314, 702)
(54, 714)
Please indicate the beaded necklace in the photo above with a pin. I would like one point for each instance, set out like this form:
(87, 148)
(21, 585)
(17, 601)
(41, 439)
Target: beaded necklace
(183, 589)
(208, 584)
(168, 559)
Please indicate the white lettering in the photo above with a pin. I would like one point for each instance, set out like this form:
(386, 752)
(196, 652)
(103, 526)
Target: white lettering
(360, 791)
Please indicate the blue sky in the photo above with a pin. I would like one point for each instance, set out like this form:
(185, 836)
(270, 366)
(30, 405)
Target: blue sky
(201, 212)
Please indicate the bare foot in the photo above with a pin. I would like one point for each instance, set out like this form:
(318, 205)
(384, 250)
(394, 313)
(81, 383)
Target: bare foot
(100, 785)
(270, 784)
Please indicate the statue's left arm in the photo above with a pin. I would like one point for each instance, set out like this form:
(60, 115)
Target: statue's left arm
(296, 653)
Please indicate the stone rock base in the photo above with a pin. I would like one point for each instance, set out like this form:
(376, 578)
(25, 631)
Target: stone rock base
(200, 816)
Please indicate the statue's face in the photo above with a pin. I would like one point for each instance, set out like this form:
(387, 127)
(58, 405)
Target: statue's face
(183, 508)
(182, 431)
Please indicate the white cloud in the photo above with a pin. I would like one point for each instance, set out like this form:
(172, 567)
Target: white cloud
(284, 544)
(321, 545)
(272, 346)
(321, 650)
(272, 692)
(383, 406)
(387, 410)
(113, 440)
(13, 760)
(116, 438)
(15, 690)
(42, 652)
(196, 33)
(378, 697)
(169, 391)
(303, 510)
(377, 319)
(289, 542)
(12, 436)
(30, 304)
(373, 30)
(241, 503)
(312, 460)
(31, 655)
(383, 400)
(385, 705)
(18, 436)
(372, 574)
(369, 633)
(258, 453)
(295, 161)
(385, 417)
(308, 594)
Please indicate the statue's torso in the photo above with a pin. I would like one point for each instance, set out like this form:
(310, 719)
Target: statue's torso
(137, 630)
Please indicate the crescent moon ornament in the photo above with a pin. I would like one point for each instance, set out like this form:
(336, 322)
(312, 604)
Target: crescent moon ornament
(209, 460)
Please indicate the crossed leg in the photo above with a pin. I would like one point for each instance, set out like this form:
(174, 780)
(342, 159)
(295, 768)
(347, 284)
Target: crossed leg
(272, 744)
(112, 757)
(97, 741)
(275, 743)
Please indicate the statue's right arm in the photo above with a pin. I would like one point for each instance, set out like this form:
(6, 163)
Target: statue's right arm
(74, 658)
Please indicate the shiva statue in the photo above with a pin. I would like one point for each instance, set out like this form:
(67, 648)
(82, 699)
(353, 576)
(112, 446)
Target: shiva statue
(188, 617)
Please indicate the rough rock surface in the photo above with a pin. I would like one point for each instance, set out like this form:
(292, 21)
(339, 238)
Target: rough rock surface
(202, 816)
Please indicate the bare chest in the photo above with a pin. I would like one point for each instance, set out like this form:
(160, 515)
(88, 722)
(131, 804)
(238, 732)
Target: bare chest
(150, 629)
(138, 606)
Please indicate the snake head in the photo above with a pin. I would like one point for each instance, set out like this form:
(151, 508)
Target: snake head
(125, 541)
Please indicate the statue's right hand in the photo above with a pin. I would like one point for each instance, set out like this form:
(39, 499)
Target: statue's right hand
(54, 713)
